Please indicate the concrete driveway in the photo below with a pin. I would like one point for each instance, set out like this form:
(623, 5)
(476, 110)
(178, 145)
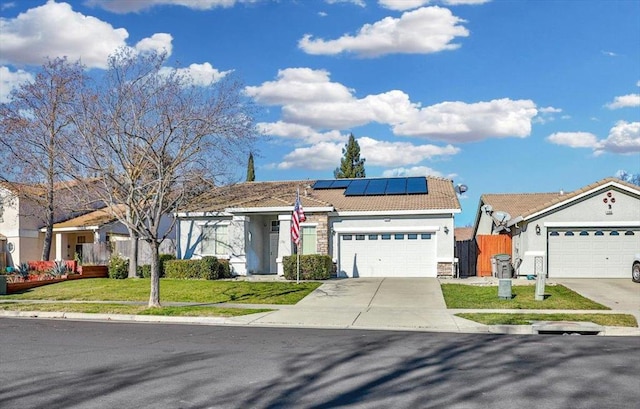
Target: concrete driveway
(616, 293)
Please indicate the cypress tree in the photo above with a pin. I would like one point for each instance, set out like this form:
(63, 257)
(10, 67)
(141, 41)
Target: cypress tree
(351, 165)
(251, 173)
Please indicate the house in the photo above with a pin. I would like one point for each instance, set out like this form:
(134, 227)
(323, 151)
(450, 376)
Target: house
(376, 227)
(591, 232)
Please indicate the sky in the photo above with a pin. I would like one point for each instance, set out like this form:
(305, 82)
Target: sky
(501, 96)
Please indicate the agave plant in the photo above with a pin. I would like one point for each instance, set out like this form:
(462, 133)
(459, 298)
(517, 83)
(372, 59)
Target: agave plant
(23, 270)
(59, 268)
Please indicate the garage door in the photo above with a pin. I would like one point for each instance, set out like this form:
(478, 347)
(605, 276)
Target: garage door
(388, 255)
(592, 253)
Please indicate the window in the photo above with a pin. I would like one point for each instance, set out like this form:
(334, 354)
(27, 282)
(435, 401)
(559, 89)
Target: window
(81, 239)
(412, 236)
(554, 233)
(359, 236)
(309, 240)
(614, 233)
(373, 237)
(275, 226)
(215, 240)
(599, 233)
(399, 236)
(347, 237)
(584, 233)
(425, 236)
(386, 236)
(568, 233)
(628, 233)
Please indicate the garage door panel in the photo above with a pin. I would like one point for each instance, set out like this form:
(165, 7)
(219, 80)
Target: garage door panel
(592, 253)
(388, 255)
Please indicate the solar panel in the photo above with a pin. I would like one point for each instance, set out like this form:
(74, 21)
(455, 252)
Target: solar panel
(396, 186)
(357, 187)
(340, 183)
(416, 185)
(322, 184)
(376, 187)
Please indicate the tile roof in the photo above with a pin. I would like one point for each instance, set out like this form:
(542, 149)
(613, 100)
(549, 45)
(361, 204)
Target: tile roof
(526, 204)
(282, 194)
(463, 233)
(96, 218)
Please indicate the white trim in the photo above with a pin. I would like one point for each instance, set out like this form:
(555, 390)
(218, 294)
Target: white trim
(201, 214)
(396, 229)
(213, 223)
(276, 209)
(592, 224)
(446, 212)
(580, 196)
(69, 229)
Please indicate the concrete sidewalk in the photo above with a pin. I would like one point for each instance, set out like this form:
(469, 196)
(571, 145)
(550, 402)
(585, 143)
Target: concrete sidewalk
(407, 304)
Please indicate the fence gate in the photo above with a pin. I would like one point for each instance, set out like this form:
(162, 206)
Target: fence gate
(489, 246)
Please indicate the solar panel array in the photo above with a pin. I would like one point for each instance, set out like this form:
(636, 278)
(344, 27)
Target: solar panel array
(376, 187)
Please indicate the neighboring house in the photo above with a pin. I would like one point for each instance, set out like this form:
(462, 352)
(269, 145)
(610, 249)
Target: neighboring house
(385, 227)
(591, 232)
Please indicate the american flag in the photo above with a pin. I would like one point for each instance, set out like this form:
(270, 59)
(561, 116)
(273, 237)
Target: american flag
(296, 218)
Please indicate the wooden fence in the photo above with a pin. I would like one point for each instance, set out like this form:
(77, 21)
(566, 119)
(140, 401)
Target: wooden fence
(100, 253)
(489, 246)
(467, 254)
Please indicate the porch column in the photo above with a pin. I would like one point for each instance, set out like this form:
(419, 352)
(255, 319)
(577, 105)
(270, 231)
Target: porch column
(238, 237)
(284, 240)
(59, 247)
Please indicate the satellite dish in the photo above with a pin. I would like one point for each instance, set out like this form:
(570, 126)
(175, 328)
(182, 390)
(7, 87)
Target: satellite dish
(460, 189)
(501, 217)
(487, 208)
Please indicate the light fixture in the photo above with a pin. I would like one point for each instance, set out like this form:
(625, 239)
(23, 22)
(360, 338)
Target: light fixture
(446, 230)
(538, 229)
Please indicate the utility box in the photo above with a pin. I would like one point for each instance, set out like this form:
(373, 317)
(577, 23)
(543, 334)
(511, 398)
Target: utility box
(504, 289)
(503, 265)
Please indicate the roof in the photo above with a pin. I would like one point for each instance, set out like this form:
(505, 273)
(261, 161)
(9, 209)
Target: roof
(527, 204)
(246, 195)
(96, 218)
(463, 233)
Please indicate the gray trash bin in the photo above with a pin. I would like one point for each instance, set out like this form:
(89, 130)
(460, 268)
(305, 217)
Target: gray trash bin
(503, 265)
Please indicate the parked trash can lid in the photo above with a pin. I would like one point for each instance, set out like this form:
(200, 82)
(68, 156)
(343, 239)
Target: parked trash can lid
(502, 257)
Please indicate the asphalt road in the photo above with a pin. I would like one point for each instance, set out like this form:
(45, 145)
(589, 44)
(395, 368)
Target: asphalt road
(65, 364)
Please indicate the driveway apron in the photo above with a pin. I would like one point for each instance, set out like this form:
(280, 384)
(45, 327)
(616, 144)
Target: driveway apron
(616, 293)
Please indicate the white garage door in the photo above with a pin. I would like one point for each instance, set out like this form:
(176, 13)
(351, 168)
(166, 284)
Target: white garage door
(388, 255)
(592, 253)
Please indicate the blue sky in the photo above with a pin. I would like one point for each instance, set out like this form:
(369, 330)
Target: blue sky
(502, 96)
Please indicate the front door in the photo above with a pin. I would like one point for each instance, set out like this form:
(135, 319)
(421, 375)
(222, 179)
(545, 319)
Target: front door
(273, 253)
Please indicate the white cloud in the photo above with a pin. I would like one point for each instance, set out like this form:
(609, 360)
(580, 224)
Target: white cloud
(402, 5)
(623, 138)
(423, 31)
(36, 34)
(574, 139)
(10, 80)
(549, 110)
(462, 122)
(301, 133)
(309, 98)
(128, 6)
(413, 171)
(326, 155)
(545, 114)
(609, 53)
(200, 74)
(359, 3)
(625, 101)
(7, 5)
(159, 42)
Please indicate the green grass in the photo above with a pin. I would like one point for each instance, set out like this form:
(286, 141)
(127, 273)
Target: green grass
(201, 291)
(557, 297)
(101, 308)
(612, 320)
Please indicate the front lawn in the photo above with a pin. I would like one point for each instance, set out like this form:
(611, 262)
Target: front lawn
(557, 297)
(611, 320)
(102, 308)
(200, 291)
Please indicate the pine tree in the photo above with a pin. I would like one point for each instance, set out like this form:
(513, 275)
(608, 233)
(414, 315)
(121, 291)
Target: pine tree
(351, 165)
(251, 173)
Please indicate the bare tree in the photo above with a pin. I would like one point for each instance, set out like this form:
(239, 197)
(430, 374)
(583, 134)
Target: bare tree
(150, 134)
(37, 131)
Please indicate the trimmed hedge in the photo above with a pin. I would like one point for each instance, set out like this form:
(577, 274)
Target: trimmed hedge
(207, 268)
(118, 267)
(144, 271)
(312, 267)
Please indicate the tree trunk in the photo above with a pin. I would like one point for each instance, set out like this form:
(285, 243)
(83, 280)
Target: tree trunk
(154, 296)
(48, 234)
(133, 255)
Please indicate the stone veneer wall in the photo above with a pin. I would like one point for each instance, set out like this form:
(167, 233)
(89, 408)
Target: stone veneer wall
(445, 269)
(322, 230)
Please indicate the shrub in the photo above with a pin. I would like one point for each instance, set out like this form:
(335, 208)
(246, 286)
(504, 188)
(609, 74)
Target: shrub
(118, 267)
(144, 271)
(59, 268)
(312, 267)
(207, 268)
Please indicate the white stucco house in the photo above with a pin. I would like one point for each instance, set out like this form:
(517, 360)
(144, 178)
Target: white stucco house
(378, 227)
(592, 232)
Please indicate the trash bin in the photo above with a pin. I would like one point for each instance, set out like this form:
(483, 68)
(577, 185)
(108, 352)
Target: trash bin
(503, 265)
